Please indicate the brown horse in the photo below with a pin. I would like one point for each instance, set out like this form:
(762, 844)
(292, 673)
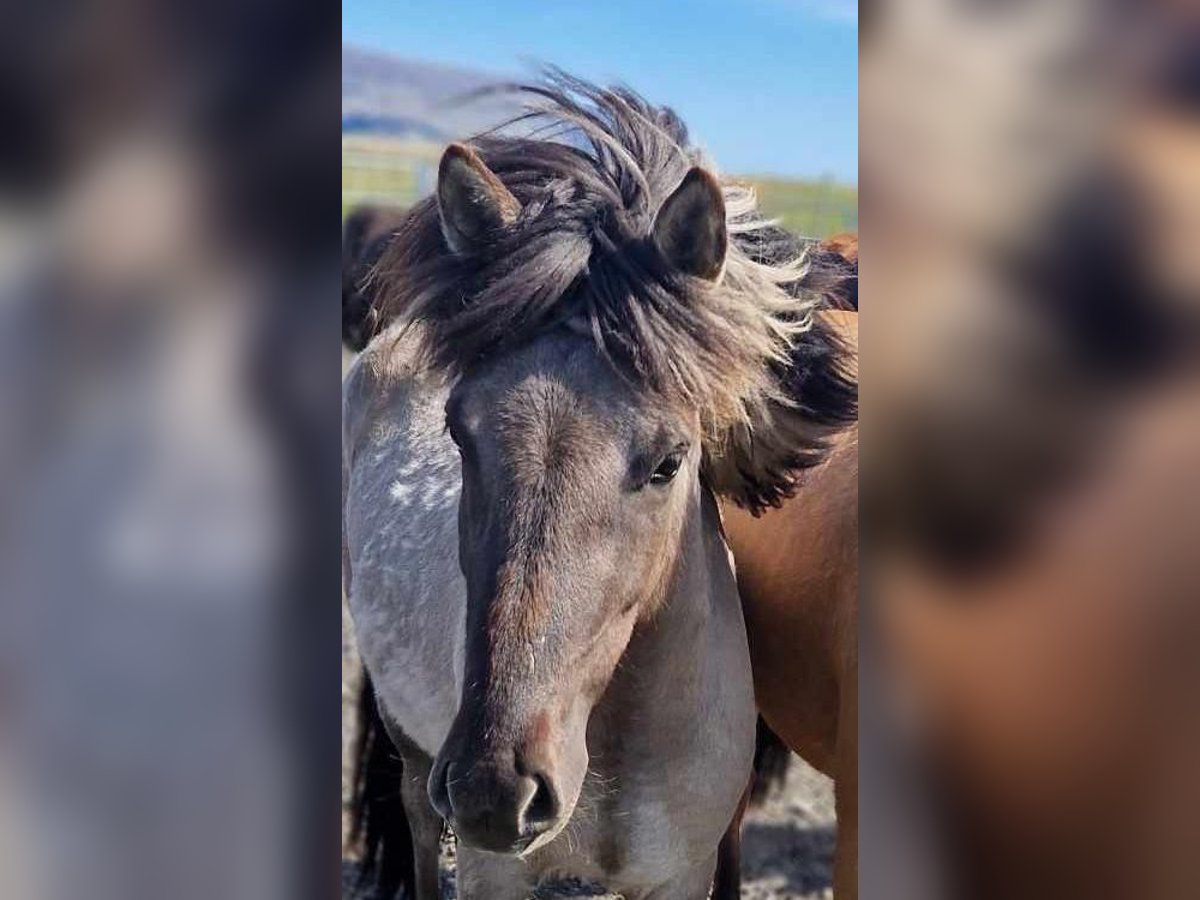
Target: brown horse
(835, 260)
(839, 254)
(365, 236)
(797, 571)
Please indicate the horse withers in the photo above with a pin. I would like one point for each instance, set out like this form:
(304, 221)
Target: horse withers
(535, 565)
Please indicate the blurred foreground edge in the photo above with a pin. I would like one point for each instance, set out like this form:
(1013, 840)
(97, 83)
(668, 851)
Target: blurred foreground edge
(169, 190)
(1031, 429)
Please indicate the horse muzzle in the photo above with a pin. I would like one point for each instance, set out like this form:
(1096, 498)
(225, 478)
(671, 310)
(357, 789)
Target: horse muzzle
(494, 804)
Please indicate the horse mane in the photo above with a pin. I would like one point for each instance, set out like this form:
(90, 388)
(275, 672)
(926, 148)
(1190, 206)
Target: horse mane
(832, 263)
(590, 170)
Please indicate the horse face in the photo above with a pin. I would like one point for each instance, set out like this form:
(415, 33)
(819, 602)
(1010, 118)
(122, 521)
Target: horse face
(576, 489)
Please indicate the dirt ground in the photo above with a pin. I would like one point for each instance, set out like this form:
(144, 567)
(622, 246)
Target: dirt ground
(787, 847)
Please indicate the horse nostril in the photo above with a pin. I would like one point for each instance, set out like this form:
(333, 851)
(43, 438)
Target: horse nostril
(543, 809)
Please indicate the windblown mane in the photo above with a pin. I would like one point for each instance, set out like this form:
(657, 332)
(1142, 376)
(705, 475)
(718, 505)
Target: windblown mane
(590, 171)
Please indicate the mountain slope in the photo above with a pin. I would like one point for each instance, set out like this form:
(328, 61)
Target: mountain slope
(415, 99)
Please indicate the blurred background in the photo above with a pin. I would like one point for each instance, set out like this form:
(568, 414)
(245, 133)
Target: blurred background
(169, 191)
(1031, 431)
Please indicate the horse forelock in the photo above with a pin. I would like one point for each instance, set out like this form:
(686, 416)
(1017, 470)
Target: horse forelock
(590, 170)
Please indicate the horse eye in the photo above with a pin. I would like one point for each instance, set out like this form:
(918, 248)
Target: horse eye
(667, 468)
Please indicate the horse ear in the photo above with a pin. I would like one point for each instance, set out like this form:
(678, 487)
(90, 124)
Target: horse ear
(689, 229)
(472, 202)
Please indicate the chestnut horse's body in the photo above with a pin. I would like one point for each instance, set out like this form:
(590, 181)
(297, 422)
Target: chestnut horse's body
(797, 569)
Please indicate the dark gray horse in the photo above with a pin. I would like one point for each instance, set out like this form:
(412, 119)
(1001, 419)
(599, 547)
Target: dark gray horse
(534, 561)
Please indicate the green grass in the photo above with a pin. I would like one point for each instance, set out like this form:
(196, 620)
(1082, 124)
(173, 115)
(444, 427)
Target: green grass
(811, 208)
(360, 184)
(390, 172)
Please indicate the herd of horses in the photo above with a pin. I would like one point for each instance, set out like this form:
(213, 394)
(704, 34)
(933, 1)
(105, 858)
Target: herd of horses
(600, 465)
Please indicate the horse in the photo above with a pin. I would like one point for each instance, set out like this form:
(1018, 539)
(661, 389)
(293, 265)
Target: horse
(367, 232)
(365, 235)
(797, 572)
(839, 254)
(581, 362)
(786, 594)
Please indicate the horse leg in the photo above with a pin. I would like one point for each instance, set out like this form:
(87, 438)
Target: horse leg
(845, 861)
(486, 876)
(728, 881)
(424, 820)
(845, 856)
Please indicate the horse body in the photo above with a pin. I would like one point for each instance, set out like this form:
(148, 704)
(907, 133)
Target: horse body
(798, 577)
(797, 571)
(797, 568)
(401, 492)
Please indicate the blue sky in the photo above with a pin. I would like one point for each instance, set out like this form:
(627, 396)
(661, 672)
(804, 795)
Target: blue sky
(768, 86)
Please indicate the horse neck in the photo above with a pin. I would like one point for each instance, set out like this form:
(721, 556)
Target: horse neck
(679, 710)
(675, 658)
